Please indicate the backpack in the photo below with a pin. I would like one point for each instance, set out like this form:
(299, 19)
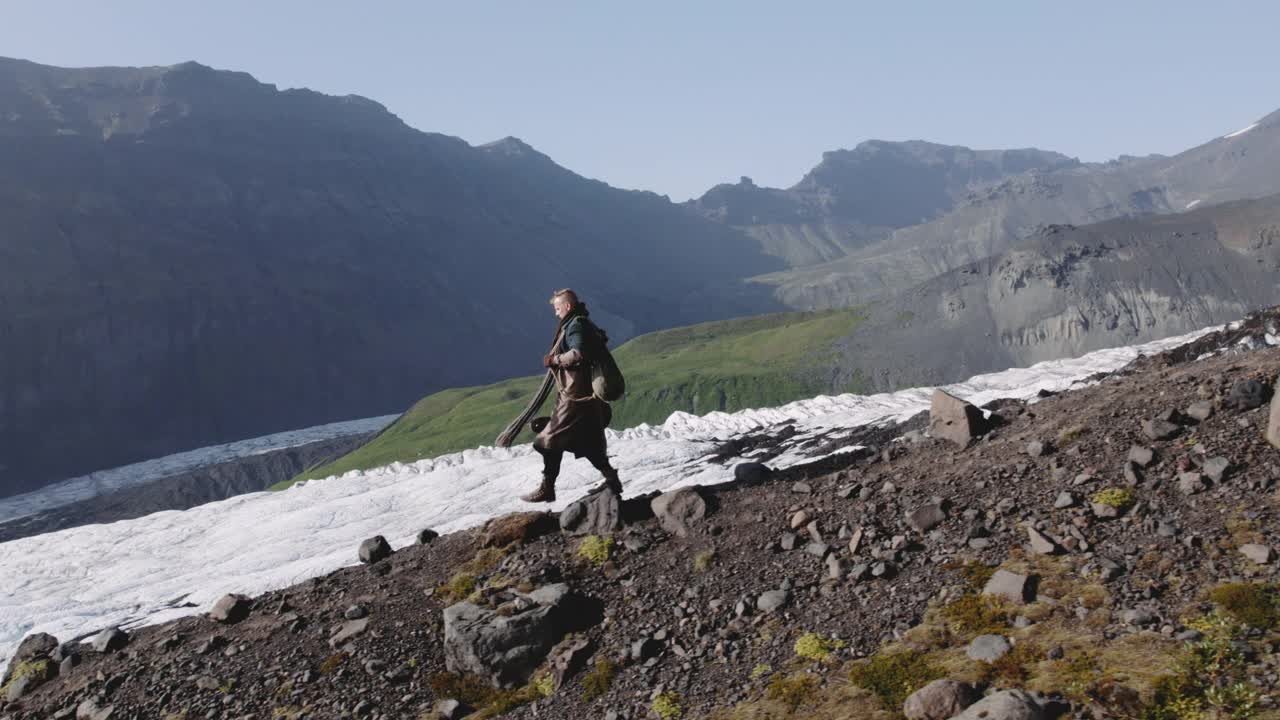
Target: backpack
(607, 382)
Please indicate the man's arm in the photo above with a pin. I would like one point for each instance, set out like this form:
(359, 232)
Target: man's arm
(575, 336)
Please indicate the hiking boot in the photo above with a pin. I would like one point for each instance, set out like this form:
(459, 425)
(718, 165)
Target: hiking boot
(611, 482)
(546, 492)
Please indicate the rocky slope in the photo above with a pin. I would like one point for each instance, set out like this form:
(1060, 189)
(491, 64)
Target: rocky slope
(1106, 552)
(192, 257)
(994, 216)
(210, 483)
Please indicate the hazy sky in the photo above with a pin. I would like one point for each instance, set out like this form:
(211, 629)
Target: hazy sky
(675, 97)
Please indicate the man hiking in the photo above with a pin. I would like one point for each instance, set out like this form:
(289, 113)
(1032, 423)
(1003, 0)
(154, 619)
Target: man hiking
(578, 421)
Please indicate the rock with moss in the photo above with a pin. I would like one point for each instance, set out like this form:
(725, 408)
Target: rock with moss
(505, 649)
(939, 700)
(33, 648)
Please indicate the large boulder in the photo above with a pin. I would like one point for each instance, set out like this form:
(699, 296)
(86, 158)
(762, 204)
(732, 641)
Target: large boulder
(939, 700)
(110, 640)
(1004, 705)
(599, 513)
(505, 649)
(679, 510)
(375, 549)
(33, 648)
(1247, 395)
(1273, 426)
(520, 527)
(951, 418)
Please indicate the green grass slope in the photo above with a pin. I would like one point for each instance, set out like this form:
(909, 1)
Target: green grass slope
(727, 365)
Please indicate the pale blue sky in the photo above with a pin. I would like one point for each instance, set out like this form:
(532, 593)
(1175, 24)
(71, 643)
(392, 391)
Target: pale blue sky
(677, 96)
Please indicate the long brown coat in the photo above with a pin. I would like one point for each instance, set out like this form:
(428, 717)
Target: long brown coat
(578, 421)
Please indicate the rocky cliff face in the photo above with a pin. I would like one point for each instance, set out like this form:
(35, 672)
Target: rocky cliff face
(191, 257)
(994, 216)
(1071, 290)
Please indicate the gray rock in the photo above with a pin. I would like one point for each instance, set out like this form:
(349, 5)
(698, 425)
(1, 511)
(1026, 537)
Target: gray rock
(1141, 456)
(799, 519)
(773, 600)
(1200, 411)
(835, 567)
(1035, 448)
(939, 700)
(1004, 705)
(1139, 617)
(927, 517)
(599, 513)
(988, 648)
(1104, 510)
(1247, 395)
(1132, 474)
(110, 640)
(951, 418)
(1010, 586)
(426, 536)
(1273, 425)
(1039, 543)
(788, 541)
(802, 487)
(90, 710)
(231, 609)
(1260, 554)
(1064, 500)
(374, 549)
(1190, 483)
(1216, 468)
(506, 649)
(348, 631)
(818, 550)
(450, 709)
(355, 612)
(1160, 429)
(678, 510)
(855, 541)
(861, 571)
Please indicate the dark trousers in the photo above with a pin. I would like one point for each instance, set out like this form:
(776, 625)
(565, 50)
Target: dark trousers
(551, 460)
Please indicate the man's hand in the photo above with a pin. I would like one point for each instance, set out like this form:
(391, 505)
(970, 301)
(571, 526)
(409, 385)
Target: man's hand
(549, 360)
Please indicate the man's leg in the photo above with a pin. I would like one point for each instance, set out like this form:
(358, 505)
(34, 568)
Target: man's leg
(546, 491)
(600, 461)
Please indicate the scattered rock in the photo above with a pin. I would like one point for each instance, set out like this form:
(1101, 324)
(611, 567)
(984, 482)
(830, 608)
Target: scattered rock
(1010, 586)
(1039, 543)
(375, 549)
(927, 517)
(426, 536)
(1004, 705)
(1190, 483)
(772, 600)
(855, 541)
(799, 519)
(939, 700)
(599, 513)
(1141, 456)
(355, 612)
(1200, 411)
(1036, 448)
(951, 418)
(1247, 395)
(1140, 617)
(450, 709)
(89, 710)
(110, 640)
(988, 648)
(1216, 468)
(567, 658)
(519, 527)
(802, 487)
(1160, 429)
(678, 509)
(1064, 500)
(231, 609)
(1260, 554)
(1105, 511)
(349, 630)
